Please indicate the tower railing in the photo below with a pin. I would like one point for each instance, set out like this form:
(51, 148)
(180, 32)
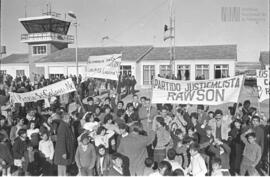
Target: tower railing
(54, 14)
(47, 36)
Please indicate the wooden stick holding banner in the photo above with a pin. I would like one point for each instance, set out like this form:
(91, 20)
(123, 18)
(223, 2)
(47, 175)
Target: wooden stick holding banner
(259, 105)
(80, 101)
(241, 87)
(118, 95)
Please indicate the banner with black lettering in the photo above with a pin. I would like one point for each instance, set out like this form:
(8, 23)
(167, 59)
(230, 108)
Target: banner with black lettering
(209, 92)
(104, 66)
(59, 88)
(263, 84)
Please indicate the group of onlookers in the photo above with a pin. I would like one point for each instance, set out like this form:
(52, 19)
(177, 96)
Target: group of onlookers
(111, 137)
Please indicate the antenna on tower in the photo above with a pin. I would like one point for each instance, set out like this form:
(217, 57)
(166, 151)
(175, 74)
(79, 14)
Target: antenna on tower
(47, 7)
(25, 8)
(50, 3)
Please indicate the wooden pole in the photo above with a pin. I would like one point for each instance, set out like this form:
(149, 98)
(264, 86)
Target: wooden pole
(239, 94)
(79, 99)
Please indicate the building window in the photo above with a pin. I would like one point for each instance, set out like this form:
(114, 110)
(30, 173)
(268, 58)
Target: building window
(202, 72)
(53, 76)
(125, 70)
(20, 73)
(148, 74)
(221, 71)
(3, 72)
(164, 71)
(39, 50)
(183, 72)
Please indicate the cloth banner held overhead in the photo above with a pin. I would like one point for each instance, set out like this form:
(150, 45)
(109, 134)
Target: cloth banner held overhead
(263, 84)
(209, 92)
(59, 88)
(104, 66)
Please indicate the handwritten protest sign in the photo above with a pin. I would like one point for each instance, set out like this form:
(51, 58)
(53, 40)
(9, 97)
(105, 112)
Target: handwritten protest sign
(104, 66)
(263, 84)
(59, 88)
(210, 92)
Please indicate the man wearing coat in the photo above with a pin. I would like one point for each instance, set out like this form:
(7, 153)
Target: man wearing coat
(134, 146)
(65, 145)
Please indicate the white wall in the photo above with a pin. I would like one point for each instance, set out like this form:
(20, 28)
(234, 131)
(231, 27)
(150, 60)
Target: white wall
(11, 68)
(66, 67)
(70, 67)
(192, 64)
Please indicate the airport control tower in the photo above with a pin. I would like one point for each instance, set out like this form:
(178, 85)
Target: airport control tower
(45, 34)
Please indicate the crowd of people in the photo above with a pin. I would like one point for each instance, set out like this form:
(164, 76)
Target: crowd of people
(81, 134)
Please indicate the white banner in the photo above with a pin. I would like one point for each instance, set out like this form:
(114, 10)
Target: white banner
(209, 92)
(263, 84)
(59, 88)
(104, 66)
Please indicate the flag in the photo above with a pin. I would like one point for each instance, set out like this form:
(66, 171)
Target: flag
(105, 38)
(165, 28)
(72, 14)
(167, 36)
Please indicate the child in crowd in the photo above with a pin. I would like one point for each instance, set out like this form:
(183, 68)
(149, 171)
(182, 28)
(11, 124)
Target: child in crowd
(251, 155)
(164, 169)
(221, 150)
(197, 165)
(85, 156)
(32, 162)
(5, 156)
(33, 133)
(19, 148)
(117, 167)
(103, 136)
(171, 154)
(216, 167)
(181, 153)
(46, 149)
(148, 169)
(103, 162)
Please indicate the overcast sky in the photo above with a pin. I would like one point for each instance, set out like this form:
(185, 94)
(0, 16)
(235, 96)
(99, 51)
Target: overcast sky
(140, 22)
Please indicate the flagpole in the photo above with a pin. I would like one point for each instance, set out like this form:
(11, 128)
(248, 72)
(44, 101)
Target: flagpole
(172, 38)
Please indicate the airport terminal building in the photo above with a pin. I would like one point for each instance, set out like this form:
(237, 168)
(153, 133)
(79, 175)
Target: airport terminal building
(48, 54)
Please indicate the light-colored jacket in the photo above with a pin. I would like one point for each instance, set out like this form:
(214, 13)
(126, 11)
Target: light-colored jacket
(225, 126)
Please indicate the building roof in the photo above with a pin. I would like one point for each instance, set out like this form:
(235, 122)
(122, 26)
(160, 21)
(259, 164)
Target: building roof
(15, 58)
(130, 53)
(133, 53)
(194, 52)
(264, 58)
(248, 68)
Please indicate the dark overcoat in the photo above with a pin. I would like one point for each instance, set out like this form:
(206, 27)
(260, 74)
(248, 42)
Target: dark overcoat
(65, 144)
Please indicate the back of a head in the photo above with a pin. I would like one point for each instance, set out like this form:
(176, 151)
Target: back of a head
(148, 162)
(171, 154)
(178, 172)
(216, 160)
(107, 118)
(166, 166)
(194, 147)
(65, 116)
(194, 115)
